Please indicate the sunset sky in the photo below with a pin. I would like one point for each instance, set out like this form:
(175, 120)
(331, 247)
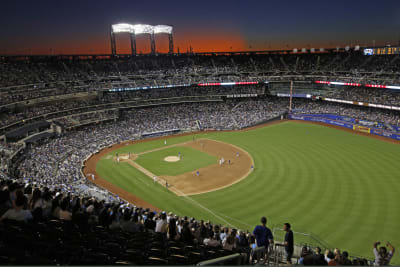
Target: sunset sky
(83, 26)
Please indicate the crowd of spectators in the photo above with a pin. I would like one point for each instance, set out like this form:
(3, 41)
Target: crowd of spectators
(55, 109)
(45, 77)
(367, 95)
(87, 118)
(138, 235)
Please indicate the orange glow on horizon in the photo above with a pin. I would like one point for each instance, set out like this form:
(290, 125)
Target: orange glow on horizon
(205, 42)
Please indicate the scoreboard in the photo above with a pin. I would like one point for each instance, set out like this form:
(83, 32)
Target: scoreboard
(388, 50)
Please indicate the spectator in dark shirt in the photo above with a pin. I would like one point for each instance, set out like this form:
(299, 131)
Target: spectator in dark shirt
(263, 235)
(289, 245)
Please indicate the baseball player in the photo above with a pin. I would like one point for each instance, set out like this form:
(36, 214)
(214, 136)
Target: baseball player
(179, 155)
(237, 154)
(165, 141)
(155, 179)
(198, 173)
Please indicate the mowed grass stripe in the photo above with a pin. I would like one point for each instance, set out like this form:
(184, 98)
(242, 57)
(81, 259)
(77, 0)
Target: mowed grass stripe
(348, 197)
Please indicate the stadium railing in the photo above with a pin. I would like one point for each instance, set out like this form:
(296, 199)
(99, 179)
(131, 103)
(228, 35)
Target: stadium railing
(234, 259)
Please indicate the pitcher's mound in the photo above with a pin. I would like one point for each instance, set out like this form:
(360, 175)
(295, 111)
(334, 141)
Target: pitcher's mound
(171, 159)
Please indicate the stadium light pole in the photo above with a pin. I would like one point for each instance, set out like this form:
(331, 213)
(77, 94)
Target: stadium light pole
(133, 43)
(153, 43)
(113, 46)
(171, 43)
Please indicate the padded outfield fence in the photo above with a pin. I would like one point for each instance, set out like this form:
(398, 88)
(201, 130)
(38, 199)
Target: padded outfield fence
(349, 123)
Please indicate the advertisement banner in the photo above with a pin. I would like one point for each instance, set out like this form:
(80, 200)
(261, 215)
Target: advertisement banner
(384, 133)
(323, 120)
(360, 128)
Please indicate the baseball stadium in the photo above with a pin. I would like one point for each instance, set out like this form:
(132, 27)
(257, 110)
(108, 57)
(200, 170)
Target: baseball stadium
(181, 158)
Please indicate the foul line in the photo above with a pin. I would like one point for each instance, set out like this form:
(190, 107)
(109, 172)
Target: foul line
(206, 209)
(162, 148)
(239, 221)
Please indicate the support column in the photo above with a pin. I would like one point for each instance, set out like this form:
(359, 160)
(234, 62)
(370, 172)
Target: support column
(133, 44)
(113, 46)
(153, 44)
(171, 44)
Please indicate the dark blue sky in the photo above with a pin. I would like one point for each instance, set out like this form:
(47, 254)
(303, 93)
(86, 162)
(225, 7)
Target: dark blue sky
(83, 26)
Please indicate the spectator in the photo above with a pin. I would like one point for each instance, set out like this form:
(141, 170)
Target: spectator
(328, 256)
(18, 213)
(289, 243)
(212, 240)
(229, 243)
(345, 259)
(161, 223)
(63, 213)
(186, 236)
(382, 256)
(263, 234)
(305, 256)
(172, 230)
(5, 203)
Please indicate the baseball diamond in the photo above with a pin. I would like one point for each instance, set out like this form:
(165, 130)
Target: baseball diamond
(293, 153)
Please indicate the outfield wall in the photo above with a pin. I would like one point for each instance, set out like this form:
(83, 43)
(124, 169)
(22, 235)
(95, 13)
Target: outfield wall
(344, 122)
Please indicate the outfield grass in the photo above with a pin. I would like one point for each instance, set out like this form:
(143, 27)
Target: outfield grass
(191, 159)
(341, 186)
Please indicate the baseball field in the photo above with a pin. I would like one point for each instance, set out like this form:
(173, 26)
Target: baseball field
(342, 187)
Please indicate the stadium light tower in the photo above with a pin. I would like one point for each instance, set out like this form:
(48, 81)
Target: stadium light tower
(137, 29)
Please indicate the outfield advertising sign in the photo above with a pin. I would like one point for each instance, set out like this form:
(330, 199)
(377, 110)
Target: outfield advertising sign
(323, 120)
